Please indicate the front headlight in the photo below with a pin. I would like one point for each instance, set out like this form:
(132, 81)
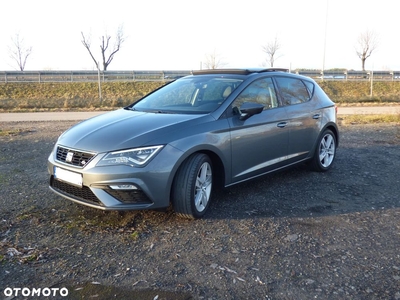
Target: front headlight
(132, 157)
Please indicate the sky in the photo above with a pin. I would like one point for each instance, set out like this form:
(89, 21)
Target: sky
(178, 34)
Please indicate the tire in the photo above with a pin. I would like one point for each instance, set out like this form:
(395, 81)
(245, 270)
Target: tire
(191, 190)
(325, 152)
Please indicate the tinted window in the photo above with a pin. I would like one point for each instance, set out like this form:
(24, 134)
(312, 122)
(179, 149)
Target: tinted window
(261, 91)
(310, 86)
(292, 90)
(197, 94)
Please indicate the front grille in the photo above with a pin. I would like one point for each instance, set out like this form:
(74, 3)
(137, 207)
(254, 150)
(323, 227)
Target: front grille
(135, 196)
(73, 157)
(83, 194)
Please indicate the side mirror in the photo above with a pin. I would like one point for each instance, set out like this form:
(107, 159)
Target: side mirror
(249, 109)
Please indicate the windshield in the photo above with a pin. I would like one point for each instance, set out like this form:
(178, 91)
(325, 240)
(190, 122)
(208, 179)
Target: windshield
(198, 95)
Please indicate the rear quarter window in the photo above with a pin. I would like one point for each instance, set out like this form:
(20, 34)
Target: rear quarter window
(310, 87)
(293, 90)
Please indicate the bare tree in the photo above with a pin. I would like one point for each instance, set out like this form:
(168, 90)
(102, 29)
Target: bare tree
(18, 52)
(213, 61)
(367, 42)
(107, 53)
(271, 50)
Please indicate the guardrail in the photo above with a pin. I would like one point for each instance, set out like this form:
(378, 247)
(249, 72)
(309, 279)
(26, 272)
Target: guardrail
(90, 76)
(353, 75)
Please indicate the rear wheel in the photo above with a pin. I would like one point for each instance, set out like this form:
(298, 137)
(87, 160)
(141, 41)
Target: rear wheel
(325, 152)
(191, 191)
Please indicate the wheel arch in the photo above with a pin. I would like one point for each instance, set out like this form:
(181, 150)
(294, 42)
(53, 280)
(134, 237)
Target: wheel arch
(219, 169)
(332, 127)
(187, 198)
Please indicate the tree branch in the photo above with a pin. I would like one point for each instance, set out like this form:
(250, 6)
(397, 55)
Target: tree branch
(86, 43)
(105, 46)
(19, 53)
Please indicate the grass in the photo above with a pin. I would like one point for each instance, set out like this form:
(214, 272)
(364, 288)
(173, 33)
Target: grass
(369, 119)
(10, 132)
(75, 96)
(18, 97)
(359, 92)
(135, 235)
(83, 96)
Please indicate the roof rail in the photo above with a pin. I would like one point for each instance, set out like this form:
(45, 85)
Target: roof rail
(238, 71)
(222, 71)
(275, 70)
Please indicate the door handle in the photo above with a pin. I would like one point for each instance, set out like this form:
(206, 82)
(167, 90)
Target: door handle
(316, 116)
(282, 124)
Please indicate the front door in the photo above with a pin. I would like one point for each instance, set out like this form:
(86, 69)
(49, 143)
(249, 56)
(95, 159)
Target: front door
(260, 143)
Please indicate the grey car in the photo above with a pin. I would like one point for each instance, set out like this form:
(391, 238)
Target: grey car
(214, 127)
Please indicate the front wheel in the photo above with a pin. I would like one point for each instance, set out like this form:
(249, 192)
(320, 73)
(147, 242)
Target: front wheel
(191, 190)
(325, 152)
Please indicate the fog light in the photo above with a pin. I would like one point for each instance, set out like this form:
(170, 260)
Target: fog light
(123, 187)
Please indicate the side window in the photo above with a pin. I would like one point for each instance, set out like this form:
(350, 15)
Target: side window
(310, 86)
(261, 91)
(292, 90)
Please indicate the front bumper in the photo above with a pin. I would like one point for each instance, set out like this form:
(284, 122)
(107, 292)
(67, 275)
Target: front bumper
(110, 199)
(148, 187)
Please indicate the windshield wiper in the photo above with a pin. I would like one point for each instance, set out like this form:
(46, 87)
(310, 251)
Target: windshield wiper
(159, 111)
(163, 112)
(154, 111)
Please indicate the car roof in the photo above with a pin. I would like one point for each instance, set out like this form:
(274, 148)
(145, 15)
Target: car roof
(238, 71)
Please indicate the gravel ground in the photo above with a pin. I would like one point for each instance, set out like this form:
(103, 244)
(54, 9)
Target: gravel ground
(292, 235)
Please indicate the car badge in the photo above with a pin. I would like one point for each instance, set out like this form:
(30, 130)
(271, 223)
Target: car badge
(69, 157)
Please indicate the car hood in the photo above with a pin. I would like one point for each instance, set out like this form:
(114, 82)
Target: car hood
(122, 129)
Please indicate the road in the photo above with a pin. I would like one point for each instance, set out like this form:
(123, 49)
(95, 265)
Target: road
(48, 116)
(72, 116)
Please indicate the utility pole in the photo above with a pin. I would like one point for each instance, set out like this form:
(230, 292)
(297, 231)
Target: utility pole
(325, 34)
(99, 80)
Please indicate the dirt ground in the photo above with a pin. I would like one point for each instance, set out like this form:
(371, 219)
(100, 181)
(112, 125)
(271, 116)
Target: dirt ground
(292, 235)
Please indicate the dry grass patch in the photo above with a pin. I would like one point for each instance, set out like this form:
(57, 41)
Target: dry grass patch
(369, 119)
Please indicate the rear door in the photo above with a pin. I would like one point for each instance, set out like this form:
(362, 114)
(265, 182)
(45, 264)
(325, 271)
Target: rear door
(304, 115)
(259, 144)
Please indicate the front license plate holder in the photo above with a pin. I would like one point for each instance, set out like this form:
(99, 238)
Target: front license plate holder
(68, 176)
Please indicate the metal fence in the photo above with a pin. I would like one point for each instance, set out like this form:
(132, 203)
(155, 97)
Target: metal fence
(353, 75)
(91, 76)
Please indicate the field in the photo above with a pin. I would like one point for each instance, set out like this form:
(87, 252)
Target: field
(71, 96)
(19, 97)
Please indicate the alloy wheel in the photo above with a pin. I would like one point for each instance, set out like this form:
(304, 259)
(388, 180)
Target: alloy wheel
(327, 150)
(203, 187)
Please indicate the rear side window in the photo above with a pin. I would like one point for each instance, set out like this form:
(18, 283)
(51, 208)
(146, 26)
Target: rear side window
(293, 90)
(310, 87)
